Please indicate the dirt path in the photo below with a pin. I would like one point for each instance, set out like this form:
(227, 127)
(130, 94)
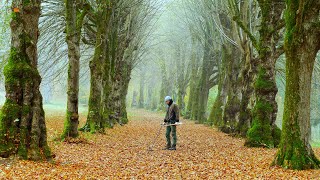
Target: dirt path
(202, 153)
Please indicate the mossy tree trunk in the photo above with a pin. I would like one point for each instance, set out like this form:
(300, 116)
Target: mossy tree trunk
(193, 78)
(225, 111)
(75, 13)
(247, 71)
(246, 80)
(301, 46)
(231, 110)
(207, 78)
(123, 93)
(22, 119)
(182, 75)
(216, 113)
(94, 119)
(263, 131)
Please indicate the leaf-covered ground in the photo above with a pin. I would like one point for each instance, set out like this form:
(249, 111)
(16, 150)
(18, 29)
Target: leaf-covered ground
(203, 153)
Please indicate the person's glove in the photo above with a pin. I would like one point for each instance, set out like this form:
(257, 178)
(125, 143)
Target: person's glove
(177, 120)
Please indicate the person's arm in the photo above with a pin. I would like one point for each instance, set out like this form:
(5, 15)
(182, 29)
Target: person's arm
(166, 118)
(177, 113)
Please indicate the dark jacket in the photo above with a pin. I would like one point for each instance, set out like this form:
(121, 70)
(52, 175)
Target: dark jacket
(172, 115)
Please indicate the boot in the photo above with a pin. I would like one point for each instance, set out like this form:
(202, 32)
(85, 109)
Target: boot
(167, 147)
(173, 148)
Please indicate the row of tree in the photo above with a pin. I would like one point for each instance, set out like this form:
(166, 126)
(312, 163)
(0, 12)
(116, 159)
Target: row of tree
(236, 45)
(115, 30)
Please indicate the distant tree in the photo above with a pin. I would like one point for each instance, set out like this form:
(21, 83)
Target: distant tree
(141, 88)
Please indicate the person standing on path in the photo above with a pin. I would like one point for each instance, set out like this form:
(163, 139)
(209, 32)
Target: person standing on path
(172, 116)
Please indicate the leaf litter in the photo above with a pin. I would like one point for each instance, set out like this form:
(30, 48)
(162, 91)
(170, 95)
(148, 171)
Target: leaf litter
(122, 153)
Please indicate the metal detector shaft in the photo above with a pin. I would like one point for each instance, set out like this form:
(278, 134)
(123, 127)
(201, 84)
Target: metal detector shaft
(175, 124)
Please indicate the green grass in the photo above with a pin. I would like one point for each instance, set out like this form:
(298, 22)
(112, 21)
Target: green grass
(315, 144)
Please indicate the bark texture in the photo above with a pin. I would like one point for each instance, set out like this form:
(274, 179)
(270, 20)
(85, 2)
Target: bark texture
(94, 119)
(22, 121)
(263, 131)
(75, 13)
(301, 46)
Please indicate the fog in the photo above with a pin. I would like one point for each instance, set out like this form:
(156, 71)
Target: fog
(165, 61)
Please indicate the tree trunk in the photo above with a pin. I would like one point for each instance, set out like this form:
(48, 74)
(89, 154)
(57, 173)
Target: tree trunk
(164, 86)
(216, 114)
(192, 85)
(263, 131)
(231, 110)
(74, 21)
(22, 120)
(123, 95)
(134, 99)
(301, 46)
(245, 117)
(94, 119)
(207, 71)
(141, 92)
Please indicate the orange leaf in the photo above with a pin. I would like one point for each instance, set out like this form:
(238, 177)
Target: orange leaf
(16, 10)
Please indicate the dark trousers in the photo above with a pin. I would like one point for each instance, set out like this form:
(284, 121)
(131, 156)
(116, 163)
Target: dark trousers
(173, 131)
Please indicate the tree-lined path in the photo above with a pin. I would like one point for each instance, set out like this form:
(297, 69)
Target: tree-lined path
(203, 153)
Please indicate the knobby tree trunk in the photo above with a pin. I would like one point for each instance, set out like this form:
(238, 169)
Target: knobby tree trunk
(301, 46)
(246, 76)
(231, 110)
(263, 131)
(246, 80)
(225, 111)
(74, 19)
(94, 119)
(22, 120)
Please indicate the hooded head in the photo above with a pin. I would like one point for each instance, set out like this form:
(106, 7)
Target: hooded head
(168, 100)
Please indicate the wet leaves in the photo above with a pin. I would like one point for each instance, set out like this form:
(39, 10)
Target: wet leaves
(203, 153)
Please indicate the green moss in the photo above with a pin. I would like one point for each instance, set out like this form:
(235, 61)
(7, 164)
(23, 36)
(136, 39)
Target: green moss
(14, 16)
(260, 133)
(215, 117)
(124, 120)
(290, 19)
(295, 156)
(67, 125)
(230, 111)
(262, 83)
(22, 149)
(26, 2)
(92, 126)
(7, 149)
(26, 110)
(47, 152)
(276, 134)
(10, 111)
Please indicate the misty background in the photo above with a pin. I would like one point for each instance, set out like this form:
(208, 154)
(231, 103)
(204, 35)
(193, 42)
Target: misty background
(169, 31)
